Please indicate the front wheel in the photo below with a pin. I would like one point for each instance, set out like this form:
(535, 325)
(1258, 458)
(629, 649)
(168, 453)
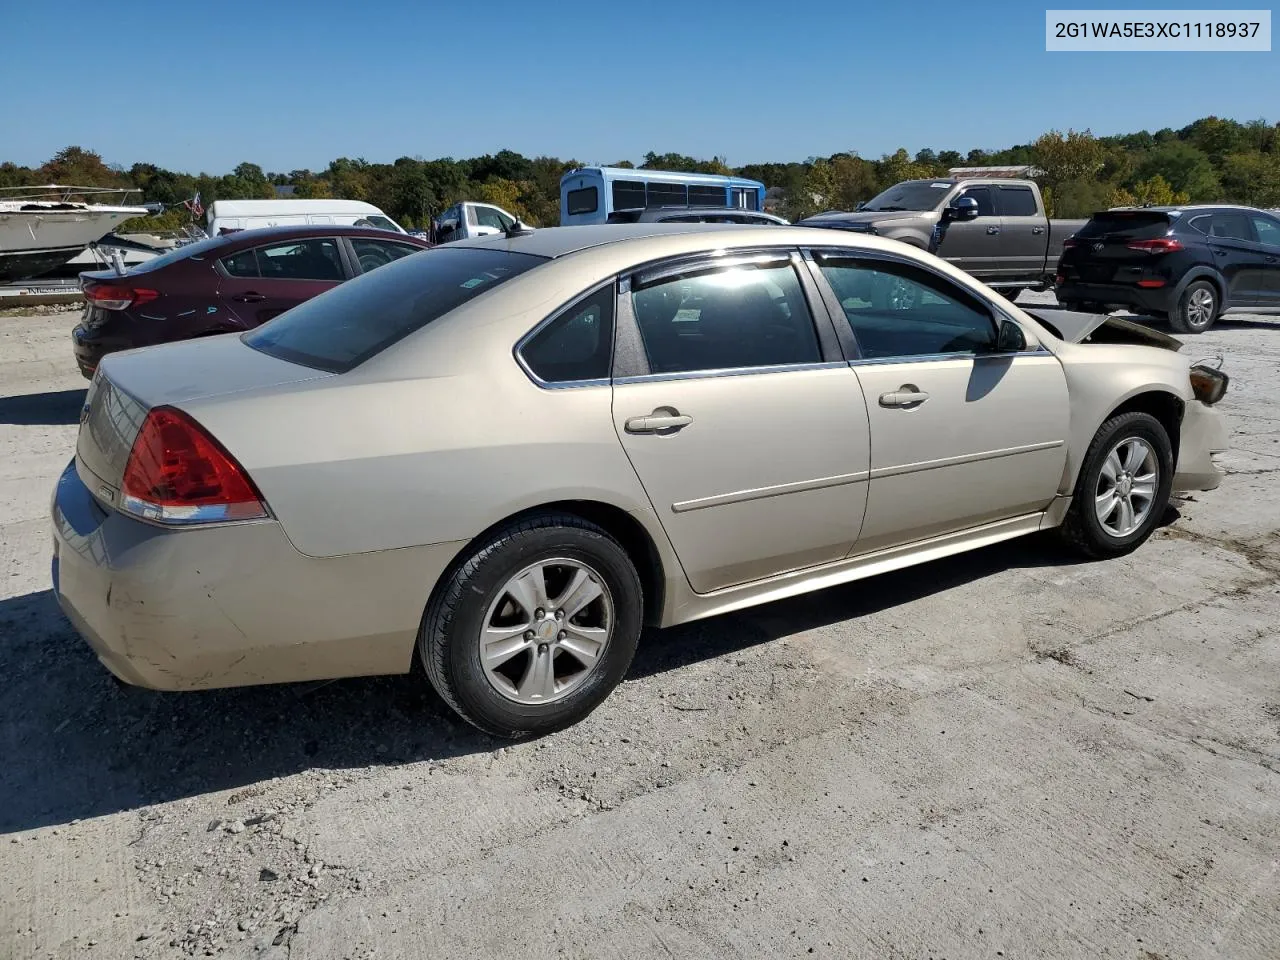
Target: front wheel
(1196, 309)
(535, 628)
(1123, 487)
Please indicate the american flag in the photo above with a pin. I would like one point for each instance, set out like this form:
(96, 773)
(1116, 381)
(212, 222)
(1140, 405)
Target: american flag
(194, 205)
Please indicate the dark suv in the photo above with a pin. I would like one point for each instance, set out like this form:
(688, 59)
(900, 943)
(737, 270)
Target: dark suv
(1185, 263)
(224, 284)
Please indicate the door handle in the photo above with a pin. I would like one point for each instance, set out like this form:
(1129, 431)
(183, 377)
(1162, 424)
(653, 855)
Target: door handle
(1037, 230)
(1271, 259)
(249, 297)
(907, 395)
(993, 230)
(662, 420)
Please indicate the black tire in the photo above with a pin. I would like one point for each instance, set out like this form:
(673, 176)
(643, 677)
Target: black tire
(1082, 529)
(1197, 308)
(1011, 293)
(448, 644)
(1069, 305)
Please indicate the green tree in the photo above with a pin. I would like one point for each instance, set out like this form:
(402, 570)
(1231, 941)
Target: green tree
(1185, 166)
(1075, 156)
(1252, 178)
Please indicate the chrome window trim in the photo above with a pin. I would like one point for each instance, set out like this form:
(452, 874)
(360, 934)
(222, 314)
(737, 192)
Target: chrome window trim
(518, 350)
(647, 275)
(732, 372)
(1039, 351)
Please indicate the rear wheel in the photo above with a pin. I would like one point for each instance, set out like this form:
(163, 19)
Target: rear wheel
(1123, 487)
(1196, 309)
(535, 628)
(1011, 293)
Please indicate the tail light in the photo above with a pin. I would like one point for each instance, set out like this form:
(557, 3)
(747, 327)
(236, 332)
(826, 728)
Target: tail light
(112, 296)
(1070, 243)
(177, 473)
(1158, 245)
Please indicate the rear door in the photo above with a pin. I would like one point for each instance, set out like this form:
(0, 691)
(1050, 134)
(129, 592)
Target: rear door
(1024, 234)
(974, 245)
(262, 282)
(743, 422)
(1267, 230)
(1239, 257)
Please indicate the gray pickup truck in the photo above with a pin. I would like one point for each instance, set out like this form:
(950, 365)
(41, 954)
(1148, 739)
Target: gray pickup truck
(993, 229)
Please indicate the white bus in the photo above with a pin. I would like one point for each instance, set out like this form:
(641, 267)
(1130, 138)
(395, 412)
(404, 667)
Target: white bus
(608, 194)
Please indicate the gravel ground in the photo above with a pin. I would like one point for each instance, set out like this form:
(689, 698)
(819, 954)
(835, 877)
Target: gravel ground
(1004, 754)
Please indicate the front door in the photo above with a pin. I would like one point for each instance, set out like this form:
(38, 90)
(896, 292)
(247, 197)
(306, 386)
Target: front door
(751, 441)
(1267, 230)
(960, 435)
(263, 282)
(1240, 259)
(974, 245)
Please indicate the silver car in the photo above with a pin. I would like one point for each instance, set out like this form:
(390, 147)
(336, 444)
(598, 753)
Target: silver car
(508, 455)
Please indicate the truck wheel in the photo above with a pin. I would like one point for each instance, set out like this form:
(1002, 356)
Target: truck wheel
(1196, 309)
(1011, 293)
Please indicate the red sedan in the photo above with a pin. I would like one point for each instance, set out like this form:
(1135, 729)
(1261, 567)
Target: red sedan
(224, 284)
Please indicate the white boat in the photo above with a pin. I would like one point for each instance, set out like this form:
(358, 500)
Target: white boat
(43, 227)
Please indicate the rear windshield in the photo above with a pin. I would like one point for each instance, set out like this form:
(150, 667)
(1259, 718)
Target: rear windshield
(1130, 224)
(197, 250)
(344, 327)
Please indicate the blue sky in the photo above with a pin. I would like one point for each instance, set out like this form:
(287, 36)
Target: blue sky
(203, 86)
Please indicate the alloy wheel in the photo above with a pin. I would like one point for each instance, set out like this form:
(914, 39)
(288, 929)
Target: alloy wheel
(1127, 485)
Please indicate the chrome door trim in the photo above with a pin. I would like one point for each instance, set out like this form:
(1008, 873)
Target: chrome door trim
(777, 490)
(1039, 351)
(731, 372)
(921, 465)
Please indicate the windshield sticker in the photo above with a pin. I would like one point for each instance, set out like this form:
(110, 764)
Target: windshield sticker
(939, 186)
(473, 282)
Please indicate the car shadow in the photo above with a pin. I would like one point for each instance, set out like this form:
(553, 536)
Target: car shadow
(31, 409)
(76, 743)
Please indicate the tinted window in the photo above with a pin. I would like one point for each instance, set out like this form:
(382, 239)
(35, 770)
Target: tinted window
(1232, 226)
(897, 310)
(301, 260)
(1203, 223)
(668, 195)
(354, 321)
(726, 318)
(628, 194)
(986, 203)
(1126, 224)
(586, 200)
(371, 254)
(382, 222)
(701, 196)
(1017, 202)
(1268, 231)
(577, 345)
(242, 264)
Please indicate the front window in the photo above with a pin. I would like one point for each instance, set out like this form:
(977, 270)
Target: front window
(896, 310)
(493, 217)
(355, 321)
(911, 195)
(986, 203)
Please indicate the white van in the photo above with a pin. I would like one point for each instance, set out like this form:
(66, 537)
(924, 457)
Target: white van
(232, 215)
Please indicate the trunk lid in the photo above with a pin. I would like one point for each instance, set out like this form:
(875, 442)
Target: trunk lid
(1101, 247)
(129, 384)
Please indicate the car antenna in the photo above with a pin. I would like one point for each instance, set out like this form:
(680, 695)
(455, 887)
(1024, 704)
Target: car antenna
(518, 228)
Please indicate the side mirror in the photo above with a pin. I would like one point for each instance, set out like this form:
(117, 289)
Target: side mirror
(861, 204)
(961, 208)
(1010, 339)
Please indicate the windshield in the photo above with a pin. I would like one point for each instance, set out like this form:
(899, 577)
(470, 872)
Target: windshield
(911, 195)
(347, 325)
(196, 250)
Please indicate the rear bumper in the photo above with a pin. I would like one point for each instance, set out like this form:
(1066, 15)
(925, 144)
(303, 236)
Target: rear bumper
(91, 346)
(1204, 435)
(231, 605)
(1159, 300)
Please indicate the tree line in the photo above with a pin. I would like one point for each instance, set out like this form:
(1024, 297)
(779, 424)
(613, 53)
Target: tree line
(1210, 160)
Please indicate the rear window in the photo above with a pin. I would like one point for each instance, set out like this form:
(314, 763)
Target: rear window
(1132, 225)
(196, 250)
(583, 201)
(344, 327)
